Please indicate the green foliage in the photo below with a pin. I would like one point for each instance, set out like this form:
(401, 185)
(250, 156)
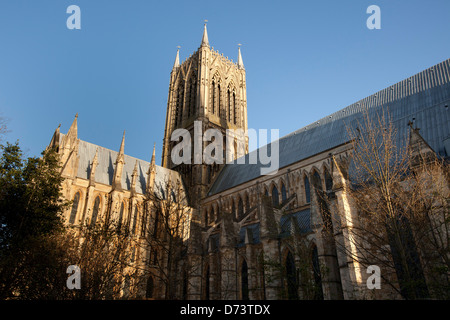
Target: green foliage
(30, 196)
(30, 210)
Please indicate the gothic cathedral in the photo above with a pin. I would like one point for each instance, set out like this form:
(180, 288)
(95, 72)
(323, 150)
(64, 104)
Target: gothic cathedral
(245, 230)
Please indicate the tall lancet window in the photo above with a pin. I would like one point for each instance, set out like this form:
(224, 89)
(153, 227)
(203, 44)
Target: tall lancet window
(307, 190)
(218, 101)
(95, 211)
(213, 100)
(275, 200)
(229, 104)
(234, 107)
(73, 213)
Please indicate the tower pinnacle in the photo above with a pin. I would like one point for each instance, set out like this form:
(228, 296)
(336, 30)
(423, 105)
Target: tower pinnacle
(240, 62)
(122, 144)
(205, 41)
(177, 59)
(153, 155)
(73, 130)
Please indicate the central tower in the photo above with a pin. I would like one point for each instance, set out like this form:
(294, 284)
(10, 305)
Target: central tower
(210, 88)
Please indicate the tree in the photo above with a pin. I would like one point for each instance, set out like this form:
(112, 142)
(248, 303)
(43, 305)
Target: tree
(36, 248)
(30, 210)
(104, 254)
(400, 220)
(3, 127)
(165, 234)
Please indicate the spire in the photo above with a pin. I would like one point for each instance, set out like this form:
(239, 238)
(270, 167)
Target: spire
(120, 161)
(73, 130)
(153, 155)
(205, 41)
(54, 143)
(240, 62)
(135, 170)
(95, 160)
(151, 173)
(93, 167)
(122, 145)
(152, 167)
(69, 146)
(177, 59)
(134, 178)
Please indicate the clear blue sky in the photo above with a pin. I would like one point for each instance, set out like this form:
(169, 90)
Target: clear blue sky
(304, 60)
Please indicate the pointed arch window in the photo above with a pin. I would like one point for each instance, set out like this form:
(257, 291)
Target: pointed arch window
(95, 211)
(317, 182)
(218, 101)
(73, 213)
(229, 104)
(275, 200)
(213, 100)
(234, 108)
(307, 190)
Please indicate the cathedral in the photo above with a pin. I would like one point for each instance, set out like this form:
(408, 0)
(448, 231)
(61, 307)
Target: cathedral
(246, 229)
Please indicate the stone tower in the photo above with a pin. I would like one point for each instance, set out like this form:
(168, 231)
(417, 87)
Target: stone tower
(207, 91)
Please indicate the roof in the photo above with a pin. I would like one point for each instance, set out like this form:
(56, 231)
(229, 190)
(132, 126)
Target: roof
(422, 99)
(106, 163)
